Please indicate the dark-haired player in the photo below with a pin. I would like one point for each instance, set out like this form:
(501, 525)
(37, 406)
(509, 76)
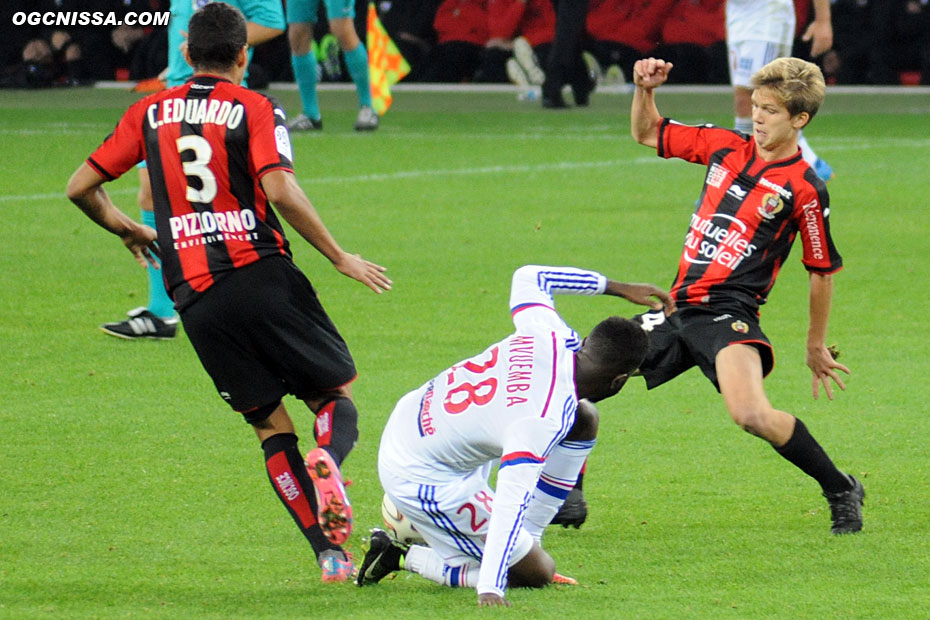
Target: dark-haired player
(522, 401)
(759, 195)
(264, 21)
(219, 156)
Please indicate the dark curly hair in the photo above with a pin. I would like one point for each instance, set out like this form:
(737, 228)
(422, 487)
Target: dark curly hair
(617, 345)
(215, 34)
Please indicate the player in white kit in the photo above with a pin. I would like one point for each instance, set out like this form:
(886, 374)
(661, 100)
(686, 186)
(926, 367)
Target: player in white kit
(758, 32)
(520, 401)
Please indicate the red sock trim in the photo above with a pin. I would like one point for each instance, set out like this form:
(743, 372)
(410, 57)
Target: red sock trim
(288, 488)
(323, 427)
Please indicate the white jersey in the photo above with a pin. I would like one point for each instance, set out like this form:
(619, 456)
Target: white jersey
(772, 21)
(513, 402)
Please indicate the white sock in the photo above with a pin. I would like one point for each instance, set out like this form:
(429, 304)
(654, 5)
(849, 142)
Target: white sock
(806, 151)
(427, 563)
(743, 123)
(558, 477)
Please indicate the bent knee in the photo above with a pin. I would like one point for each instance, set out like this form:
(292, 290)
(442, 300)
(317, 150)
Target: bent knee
(535, 570)
(754, 420)
(539, 574)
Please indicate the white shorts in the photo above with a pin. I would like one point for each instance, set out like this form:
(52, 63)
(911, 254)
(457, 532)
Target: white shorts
(747, 57)
(451, 515)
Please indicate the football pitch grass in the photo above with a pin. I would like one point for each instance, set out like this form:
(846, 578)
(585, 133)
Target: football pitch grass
(128, 489)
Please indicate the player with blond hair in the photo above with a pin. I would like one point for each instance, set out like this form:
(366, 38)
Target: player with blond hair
(759, 195)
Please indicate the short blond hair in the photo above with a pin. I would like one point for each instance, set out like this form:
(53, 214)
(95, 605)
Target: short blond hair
(796, 83)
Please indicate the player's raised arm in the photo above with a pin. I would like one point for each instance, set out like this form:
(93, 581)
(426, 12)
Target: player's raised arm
(535, 285)
(294, 206)
(648, 74)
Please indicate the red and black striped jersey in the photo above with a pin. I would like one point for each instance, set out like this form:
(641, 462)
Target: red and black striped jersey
(747, 218)
(206, 144)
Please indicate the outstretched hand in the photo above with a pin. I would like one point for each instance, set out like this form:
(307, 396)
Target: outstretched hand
(650, 73)
(366, 272)
(647, 295)
(823, 365)
(492, 600)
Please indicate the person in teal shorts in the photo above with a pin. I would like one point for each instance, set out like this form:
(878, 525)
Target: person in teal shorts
(301, 18)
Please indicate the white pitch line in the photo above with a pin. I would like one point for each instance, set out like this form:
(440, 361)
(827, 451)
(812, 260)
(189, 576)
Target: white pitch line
(826, 145)
(399, 175)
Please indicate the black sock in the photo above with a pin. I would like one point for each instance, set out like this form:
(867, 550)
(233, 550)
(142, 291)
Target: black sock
(806, 454)
(579, 484)
(294, 488)
(336, 427)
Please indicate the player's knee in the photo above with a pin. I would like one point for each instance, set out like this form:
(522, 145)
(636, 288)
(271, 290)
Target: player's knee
(299, 36)
(344, 31)
(586, 422)
(260, 417)
(752, 419)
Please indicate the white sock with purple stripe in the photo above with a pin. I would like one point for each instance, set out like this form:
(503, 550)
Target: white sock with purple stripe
(427, 563)
(557, 478)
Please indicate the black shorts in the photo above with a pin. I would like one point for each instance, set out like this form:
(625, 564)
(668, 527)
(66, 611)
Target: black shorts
(261, 333)
(693, 336)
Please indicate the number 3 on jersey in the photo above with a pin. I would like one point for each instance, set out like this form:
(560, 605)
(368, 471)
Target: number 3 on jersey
(198, 167)
(465, 394)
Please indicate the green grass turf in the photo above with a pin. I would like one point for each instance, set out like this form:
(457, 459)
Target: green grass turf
(129, 490)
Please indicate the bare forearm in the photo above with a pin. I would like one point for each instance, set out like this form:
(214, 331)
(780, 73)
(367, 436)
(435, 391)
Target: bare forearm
(292, 203)
(256, 34)
(822, 11)
(645, 117)
(821, 296)
(301, 215)
(85, 189)
(643, 294)
(820, 31)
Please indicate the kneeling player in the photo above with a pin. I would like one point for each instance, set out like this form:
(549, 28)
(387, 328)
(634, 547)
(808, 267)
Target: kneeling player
(519, 401)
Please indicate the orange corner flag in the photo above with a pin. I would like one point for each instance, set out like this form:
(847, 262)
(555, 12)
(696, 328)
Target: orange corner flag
(386, 65)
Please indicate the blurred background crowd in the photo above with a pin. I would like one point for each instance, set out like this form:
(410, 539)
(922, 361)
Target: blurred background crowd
(875, 42)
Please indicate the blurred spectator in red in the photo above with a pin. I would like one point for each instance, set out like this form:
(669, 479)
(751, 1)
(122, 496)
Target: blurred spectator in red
(620, 32)
(410, 25)
(693, 38)
(509, 21)
(461, 34)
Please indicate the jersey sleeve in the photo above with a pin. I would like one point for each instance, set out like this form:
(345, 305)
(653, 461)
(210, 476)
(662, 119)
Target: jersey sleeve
(269, 141)
(820, 254)
(694, 143)
(124, 148)
(531, 297)
(525, 452)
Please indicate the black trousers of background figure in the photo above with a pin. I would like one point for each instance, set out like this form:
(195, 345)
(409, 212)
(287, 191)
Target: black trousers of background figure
(565, 64)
